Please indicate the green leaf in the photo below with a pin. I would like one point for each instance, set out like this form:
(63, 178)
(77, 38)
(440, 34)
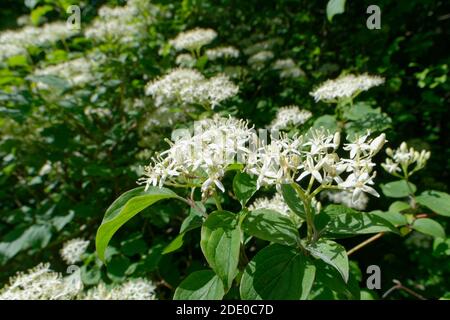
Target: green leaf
(292, 200)
(346, 221)
(277, 273)
(429, 227)
(244, 187)
(37, 13)
(395, 218)
(123, 209)
(398, 189)
(59, 222)
(332, 253)
(328, 277)
(220, 243)
(194, 219)
(437, 201)
(399, 206)
(36, 236)
(362, 117)
(200, 285)
(175, 244)
(271, 226)
(327, 122)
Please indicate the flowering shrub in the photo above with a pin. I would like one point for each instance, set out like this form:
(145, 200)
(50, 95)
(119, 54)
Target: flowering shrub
(190, 151)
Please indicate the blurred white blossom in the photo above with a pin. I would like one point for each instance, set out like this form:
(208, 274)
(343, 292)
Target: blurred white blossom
(73, 250)
(288, 68)
(345, 87)
(194, 39)
(188, 86)
(289, 116)
(133, 289)
(222, 52)
(276, 203)
(41, 283)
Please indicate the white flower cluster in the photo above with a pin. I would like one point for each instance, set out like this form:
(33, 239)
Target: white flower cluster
(202, 159)
(14, 42)
(222, 53)
(194, 39)
(400, 159)
(185, 60)
(345, 87)
(259, 59)
(188, 86)
(276, 203)
(345, 198)
(286, 159)
(77, 71)
(287, 68)
(123, 24)
(133, 289)
(10, 50)
(203, 156)
(289, 116)
(73, 250)
(41, 283)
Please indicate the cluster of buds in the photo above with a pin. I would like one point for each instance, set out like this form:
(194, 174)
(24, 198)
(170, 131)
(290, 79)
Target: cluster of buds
(400, 160)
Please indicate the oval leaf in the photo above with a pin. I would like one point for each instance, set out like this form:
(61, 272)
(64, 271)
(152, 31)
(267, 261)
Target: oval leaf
(123, 209)
(398, 189)
(292, 200)
(437, 201)
(332, 253)
(200, 285)
(345, 221)
(429, 227)
(277, 273)
(271, 226)
(220, 243)
(244, 187)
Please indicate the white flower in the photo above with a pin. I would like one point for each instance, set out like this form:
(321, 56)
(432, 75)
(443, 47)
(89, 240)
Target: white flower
(122, 23)
(359, 183)
(167, 89)
(134, 289)
(289, 116)
(275, 203)
(77, 71)
(345, 198)
(13, 42)
(188, 86)
(214, 145)
(8, 50)
(222, 52)
(345, 87)
(41, 283)
(287, 68)
(258, 59)
(401, 158)
(73, 250)
(193, 39)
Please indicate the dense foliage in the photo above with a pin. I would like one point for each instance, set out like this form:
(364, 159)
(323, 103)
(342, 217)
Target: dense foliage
(83, 111)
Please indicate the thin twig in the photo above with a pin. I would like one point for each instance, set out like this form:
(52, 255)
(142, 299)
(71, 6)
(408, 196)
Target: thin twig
(364, 243)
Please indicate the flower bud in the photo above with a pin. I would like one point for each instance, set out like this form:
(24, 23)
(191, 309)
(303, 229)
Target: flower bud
(377, 143)
(337, 139)
(389, 152)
